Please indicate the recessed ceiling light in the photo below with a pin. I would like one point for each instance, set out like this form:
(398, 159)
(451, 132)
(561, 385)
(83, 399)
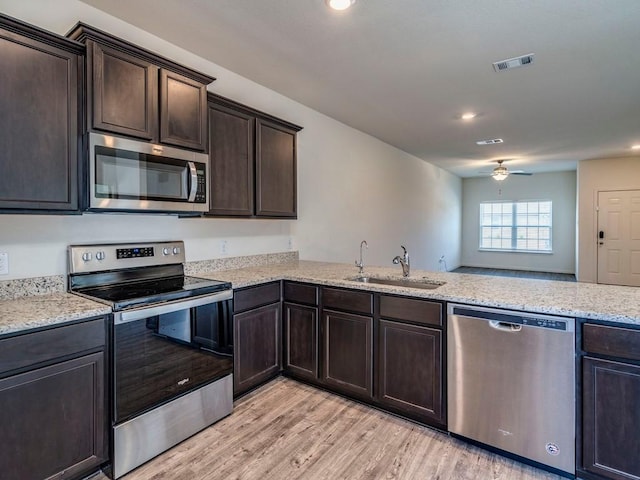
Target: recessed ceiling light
(468, 116)
(635, 147)
(339, 4)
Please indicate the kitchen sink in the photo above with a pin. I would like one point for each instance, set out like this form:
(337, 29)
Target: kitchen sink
(422, 283)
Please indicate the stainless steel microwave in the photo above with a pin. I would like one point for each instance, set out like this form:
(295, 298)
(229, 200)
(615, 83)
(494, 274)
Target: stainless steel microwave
(130, 175)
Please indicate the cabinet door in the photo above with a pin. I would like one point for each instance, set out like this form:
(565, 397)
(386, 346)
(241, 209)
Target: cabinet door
(125, 93)
(39, 131)
(348, 353)
(257, 347)
(183, 111)
(231, 136)
(301, 340)
(52, 420)
(276, 176)
(410, 370)
(611, 418)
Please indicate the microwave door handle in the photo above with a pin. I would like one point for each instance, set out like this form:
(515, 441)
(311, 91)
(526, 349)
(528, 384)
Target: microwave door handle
(194, 181)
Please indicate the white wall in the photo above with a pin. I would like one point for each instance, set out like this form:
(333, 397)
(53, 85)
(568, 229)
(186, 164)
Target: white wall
(351, 186)
(595, 176)
(558, 187)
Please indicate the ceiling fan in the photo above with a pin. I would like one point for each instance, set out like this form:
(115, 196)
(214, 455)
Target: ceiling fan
(501, 172)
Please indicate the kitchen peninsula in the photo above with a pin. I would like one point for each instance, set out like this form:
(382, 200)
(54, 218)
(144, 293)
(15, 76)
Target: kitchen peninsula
(309, 296)
(609, 303)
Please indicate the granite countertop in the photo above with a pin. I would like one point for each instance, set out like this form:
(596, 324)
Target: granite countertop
(585, 300)
(37, 311)
(620, 305)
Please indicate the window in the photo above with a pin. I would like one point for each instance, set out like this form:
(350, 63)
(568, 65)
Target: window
(516, 226)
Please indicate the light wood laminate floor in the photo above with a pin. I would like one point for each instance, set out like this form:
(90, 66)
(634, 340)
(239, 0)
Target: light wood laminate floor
(288, 430)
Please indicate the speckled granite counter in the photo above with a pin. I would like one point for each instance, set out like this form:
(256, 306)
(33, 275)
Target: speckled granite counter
(584, 300)
(26, 313)
(41, 301)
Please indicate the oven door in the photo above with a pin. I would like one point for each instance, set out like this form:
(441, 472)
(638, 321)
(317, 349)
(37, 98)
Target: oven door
(164, 351)
(133, 175)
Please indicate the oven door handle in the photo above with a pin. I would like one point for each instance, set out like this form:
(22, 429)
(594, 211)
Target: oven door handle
(193, 172)
(169, 307)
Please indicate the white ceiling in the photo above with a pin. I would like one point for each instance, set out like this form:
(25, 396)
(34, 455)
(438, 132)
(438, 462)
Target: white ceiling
(405, 70)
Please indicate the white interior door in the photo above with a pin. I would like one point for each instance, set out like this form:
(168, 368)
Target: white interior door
(619, 237)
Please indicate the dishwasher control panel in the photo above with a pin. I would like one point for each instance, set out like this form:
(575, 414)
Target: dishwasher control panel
(517, 318)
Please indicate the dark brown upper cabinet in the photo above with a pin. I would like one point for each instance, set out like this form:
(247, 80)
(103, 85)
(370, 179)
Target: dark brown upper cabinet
(40, 125)
(276, 194)
(124, 93)
(253, 162)
(183, 111)
(231, 135)
(137, 93)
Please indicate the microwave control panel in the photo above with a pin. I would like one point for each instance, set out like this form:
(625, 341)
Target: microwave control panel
(201, 191)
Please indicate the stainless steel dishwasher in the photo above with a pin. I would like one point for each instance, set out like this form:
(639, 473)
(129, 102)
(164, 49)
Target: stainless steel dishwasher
(511, 382)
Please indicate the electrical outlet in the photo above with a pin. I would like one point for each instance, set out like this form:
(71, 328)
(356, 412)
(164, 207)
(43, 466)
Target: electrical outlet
(4, 263)
(223, 247)
(290, 245)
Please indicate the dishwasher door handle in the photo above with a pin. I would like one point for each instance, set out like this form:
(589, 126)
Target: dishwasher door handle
(505, 327)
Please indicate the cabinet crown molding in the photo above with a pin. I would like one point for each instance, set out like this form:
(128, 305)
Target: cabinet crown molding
(82, 32)
(219, 100)
(19, 27)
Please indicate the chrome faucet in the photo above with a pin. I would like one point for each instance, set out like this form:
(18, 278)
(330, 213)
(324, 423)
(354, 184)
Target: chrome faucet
(360, 264)
(403, 261)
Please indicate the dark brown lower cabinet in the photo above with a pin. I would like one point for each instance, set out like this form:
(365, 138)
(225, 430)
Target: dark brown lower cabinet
(410, 371)
(257, 347)
(53, 418)
(611, 418)
(348, 353)
(301, 337)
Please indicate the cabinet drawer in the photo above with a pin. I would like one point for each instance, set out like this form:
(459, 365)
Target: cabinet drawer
(612, 341)
(33, 348)
(301, 293)
(411, 309)
(253, 297)
(349, 300)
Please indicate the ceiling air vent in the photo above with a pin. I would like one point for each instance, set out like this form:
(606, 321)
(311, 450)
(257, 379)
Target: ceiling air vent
(492, 141)
(515, 62)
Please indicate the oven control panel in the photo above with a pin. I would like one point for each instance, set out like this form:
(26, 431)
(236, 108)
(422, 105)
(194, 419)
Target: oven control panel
(104, 257)
(135, 252)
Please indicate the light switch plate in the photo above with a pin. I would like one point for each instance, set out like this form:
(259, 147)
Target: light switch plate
(4, 263)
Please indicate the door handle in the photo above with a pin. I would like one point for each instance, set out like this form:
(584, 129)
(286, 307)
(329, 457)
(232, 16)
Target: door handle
(601, 237)
(194, 181)
(505, 326)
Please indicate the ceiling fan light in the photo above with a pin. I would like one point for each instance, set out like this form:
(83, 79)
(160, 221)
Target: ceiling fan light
(500, 173)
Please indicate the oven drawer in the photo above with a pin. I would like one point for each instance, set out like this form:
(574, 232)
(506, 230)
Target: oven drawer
(39, 347)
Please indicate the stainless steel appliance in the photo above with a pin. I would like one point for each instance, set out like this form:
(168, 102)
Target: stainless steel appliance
(172, 344)
(511, 382)
(131, 175)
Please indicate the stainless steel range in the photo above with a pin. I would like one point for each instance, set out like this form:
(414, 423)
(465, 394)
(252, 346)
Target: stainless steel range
(172, 344)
